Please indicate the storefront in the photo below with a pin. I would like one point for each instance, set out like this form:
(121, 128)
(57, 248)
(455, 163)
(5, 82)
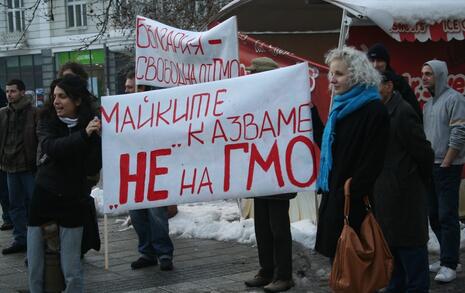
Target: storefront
(27, 68)
(93, 62)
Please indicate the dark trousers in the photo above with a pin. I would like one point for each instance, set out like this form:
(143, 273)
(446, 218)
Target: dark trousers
(444, 212)
(274, 241)
(4, 200)
(411, 270)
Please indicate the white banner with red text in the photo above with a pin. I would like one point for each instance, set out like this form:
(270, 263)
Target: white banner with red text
(168, 57)
(242, 137)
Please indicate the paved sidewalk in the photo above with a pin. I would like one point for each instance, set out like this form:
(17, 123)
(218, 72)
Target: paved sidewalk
(200, 266)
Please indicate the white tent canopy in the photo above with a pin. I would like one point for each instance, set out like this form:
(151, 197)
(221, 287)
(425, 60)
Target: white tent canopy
(421, 19)
(411, 11)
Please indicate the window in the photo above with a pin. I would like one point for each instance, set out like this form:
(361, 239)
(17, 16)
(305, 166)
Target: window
(28, 68)
(77, 13)
(15, 15)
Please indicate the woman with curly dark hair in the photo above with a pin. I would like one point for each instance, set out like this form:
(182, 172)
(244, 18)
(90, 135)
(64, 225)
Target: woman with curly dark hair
(69, 150)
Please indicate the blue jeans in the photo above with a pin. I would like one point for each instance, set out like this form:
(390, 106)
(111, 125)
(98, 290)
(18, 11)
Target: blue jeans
(4, 200)
(20, 187)
(444, 212)
(411, 270)
(70, 258)
(152, 229)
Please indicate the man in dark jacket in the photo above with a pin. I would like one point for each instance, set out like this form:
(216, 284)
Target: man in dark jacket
(379, 57)
(18, 148)
(401, 193)
(4, 201)
(272, 226)
(151, 224)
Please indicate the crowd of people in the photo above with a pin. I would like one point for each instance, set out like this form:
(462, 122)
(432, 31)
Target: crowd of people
(407, 160)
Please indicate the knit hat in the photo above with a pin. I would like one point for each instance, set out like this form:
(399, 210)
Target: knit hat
(378, 51)
(388, 75)
(261, 64)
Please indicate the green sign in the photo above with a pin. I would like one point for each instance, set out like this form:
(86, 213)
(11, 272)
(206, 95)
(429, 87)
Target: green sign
(82, 57)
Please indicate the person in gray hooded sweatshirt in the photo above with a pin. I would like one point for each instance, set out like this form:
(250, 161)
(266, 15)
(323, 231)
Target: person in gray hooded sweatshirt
(444, 125)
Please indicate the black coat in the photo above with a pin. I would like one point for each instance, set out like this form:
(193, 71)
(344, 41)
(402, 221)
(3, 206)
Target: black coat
(400, 190)
(66, 158)
(401, 85)
(3, 100)
(358, 152)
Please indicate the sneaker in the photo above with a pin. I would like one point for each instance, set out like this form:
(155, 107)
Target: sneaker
(15, 248)
(166, 264)
(258, 281)
(6, 226)
(436, 266)
(445, 275)
(143, 262)
(279, 286)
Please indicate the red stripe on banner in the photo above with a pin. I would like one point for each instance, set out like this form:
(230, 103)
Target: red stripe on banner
(215, 42)
(437, 32)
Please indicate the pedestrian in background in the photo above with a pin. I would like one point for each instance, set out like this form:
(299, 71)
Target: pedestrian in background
(4, 201)
(401, 193)
(381, 60)
(353, 146)
(70, 150)
(272, 226)
(73, 68)
(151, 224)
(444, 125)
(18, 143)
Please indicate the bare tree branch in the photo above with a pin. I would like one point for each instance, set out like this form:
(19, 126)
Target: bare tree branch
(120, 15)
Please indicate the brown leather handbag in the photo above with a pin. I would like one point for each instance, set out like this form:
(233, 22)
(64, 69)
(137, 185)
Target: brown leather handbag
(363, 263)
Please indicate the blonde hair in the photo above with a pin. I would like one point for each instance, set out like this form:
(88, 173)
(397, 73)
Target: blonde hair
(361, 71)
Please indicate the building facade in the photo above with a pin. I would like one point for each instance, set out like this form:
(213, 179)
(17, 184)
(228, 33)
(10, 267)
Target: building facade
(36, 40)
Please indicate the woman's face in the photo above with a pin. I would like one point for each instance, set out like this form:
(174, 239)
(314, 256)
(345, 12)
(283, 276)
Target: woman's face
(339, 76)
(64, 106)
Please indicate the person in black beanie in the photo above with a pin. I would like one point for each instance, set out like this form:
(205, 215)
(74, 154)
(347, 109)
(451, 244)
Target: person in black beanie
(379, 57)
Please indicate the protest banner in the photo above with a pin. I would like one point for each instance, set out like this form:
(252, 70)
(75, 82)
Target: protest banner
(168, 57)
(242, 137)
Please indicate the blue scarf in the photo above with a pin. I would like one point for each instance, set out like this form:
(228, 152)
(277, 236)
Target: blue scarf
(343, 105)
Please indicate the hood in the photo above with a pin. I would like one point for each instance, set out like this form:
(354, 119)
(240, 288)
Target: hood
(440, 76)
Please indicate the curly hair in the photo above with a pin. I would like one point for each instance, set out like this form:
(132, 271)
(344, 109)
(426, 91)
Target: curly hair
(361, 71)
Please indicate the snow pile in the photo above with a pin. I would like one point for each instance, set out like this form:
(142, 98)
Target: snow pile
(433, 244)
(412, 11)
(220, 220)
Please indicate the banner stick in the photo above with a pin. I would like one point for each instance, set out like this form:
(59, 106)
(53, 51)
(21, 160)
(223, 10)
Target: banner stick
(316, 208)
(105, 239)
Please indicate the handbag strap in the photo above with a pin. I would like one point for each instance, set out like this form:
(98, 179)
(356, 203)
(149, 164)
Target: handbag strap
(366, 201)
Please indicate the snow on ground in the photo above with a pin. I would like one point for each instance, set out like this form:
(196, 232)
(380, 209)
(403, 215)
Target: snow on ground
(220, 220)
